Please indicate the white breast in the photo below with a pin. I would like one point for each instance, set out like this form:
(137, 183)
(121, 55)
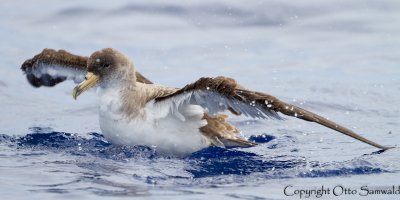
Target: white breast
(168, 129)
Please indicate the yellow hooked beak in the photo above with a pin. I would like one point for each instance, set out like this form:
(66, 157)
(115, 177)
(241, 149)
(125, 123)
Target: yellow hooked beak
(90, 81)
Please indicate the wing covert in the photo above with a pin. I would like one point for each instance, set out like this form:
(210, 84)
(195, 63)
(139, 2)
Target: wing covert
(220, 94)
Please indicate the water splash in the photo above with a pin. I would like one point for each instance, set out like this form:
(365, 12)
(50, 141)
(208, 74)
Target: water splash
(209, 162)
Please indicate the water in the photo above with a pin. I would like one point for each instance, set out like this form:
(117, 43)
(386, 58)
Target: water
(337, 58)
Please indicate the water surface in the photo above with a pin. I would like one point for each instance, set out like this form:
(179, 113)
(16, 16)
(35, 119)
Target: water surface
(337, 58)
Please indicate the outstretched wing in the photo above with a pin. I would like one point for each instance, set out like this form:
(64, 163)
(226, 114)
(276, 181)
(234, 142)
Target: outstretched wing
(51, 67)
(221, 94)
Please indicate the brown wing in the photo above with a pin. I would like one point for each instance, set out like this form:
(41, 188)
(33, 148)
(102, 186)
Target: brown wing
(51, 67)
(221, 93)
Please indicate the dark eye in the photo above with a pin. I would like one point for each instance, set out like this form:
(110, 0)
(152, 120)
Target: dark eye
(105, 65)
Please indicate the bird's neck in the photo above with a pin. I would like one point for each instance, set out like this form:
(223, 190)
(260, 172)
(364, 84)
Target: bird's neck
(123, 98)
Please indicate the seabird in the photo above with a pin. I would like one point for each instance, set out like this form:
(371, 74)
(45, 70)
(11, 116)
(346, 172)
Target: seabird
(134, 111)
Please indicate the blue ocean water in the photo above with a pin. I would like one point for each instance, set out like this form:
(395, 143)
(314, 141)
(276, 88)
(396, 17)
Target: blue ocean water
(336, 58)
(94, 160)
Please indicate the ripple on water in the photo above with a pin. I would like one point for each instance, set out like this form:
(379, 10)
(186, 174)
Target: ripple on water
(209, 162)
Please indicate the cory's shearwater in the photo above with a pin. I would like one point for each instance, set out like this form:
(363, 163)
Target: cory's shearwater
(134, 111)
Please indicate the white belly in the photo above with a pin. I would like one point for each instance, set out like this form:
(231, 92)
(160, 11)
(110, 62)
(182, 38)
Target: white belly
(159, 128)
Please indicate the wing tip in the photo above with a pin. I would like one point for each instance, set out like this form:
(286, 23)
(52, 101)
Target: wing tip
(27, 65)
(385, 148)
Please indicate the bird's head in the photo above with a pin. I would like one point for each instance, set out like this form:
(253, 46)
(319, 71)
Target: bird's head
(105, 67)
